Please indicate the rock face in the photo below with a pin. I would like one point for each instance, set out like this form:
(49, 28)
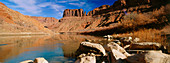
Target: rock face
(104, 18)
(91, 13)
(46, 21)
(73, 13)
(14, 22)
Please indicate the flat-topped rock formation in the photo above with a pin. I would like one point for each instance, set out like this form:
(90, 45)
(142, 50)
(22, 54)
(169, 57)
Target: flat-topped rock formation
(73, 12)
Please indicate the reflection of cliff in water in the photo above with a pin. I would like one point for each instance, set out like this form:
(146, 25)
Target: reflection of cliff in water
(16, 45)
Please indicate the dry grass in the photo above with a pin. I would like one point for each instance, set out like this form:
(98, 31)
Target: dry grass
(151, 35)
(146, 35)
(152, 23)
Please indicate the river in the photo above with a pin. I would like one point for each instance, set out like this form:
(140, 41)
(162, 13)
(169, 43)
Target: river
(55, 49)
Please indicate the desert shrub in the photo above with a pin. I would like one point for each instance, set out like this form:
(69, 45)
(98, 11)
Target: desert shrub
(167, 9)
(135, 19)
(152, 23)
(132, 16)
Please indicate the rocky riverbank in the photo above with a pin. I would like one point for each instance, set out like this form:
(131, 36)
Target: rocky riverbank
(120, 50)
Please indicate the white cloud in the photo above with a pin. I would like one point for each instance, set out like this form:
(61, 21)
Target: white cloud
(61, 1)
(44, 4)
(28, 5)
(35, 7)
(31, 6)
(73, 0)
(78, 4)
(57, 7)
(59, 14)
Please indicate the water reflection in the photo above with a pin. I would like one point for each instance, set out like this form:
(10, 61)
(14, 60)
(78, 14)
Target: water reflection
(2, 44)
(52, 55)
(58, 48)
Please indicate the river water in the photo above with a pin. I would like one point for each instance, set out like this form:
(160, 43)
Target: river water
(55, 49)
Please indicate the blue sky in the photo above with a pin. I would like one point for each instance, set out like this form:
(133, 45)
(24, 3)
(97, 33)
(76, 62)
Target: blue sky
(52, 8)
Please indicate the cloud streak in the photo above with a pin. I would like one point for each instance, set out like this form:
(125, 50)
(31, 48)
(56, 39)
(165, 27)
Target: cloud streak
(61, 1)
(32, 7)
(27, 5)
(78, 4)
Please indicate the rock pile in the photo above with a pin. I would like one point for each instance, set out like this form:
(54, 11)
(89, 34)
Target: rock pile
(116, 53)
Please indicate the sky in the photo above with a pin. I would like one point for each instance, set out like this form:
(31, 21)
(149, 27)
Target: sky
(53, 8)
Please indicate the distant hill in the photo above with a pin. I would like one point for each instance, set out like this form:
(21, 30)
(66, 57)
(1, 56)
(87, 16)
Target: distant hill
(14, 22)
(46, 21)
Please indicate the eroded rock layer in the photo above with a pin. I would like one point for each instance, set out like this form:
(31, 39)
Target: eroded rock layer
(107, 18)
(14, 22)
(73, 12)
(46, 21)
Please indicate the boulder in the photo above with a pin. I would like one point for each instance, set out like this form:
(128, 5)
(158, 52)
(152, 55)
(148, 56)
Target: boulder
(117, 54)
(27, 61)
(136, 40)
(92, 46)
(40, 60)
(145, 46)
(117, 41)
(108, 36)
(86, 58)
(117, 51)
(149, 57)
(126, 40)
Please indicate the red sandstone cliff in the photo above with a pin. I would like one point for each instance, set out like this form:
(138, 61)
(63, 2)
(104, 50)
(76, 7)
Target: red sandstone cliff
(14, 22)
(106, 17)
(46, 21)
(73, 12)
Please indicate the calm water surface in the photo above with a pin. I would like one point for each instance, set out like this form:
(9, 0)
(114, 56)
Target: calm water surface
(55, 49)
